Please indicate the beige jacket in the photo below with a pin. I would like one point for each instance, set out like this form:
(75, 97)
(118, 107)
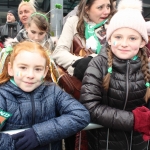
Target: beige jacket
(61, 54)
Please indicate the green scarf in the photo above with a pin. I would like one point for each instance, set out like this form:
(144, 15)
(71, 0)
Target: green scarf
(90, 32)
(13, 81)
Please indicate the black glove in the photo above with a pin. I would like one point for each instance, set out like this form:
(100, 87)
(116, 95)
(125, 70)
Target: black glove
(80, 67)
(3, 38)
(25, 140)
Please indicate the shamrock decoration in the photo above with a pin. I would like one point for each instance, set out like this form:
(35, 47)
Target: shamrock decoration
(9, 49)
(26, 0)
(59, 6)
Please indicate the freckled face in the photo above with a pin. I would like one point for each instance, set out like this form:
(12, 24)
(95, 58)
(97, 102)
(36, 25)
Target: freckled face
(125, 43)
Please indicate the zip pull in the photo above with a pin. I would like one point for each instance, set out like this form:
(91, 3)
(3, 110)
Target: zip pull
(107, 138)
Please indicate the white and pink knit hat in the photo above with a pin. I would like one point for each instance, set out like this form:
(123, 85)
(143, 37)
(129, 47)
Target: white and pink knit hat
(128, 15)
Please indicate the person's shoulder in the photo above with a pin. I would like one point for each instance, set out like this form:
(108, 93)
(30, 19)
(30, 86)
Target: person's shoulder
(21, 35)
(5, 88)
(72, 19)
(3, 85)
(22, 30)
(101, 58)
(2, 26)
(51, 86)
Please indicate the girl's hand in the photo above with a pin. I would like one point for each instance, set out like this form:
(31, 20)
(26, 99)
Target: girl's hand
(25, 140)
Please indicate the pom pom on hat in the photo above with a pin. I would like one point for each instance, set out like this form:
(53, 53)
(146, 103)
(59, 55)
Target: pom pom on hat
(130, 4)
(128, 16)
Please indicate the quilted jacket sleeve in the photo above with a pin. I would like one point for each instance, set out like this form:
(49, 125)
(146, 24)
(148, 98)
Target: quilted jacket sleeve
(73, 117)
(93, 100)
(6, 141)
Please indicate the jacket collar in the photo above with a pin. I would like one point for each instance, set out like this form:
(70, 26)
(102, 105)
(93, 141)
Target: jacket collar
(120, 65)
(16, 91)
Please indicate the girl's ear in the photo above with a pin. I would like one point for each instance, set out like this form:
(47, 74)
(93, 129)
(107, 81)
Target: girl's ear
(10, 69)
(109, 42)
(143, 43)
(46, 70)
(86, 10)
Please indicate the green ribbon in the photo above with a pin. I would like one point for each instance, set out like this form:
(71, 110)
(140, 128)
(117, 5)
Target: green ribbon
(110, 69)
(147, 84)
(135, 57)
(8, 50)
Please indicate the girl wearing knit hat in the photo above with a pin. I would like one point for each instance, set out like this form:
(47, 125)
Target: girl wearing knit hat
(116, 84)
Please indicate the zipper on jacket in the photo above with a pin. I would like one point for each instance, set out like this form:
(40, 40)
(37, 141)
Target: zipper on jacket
(50, 146)
(126, 97)
(11, 32)
(127, 84)
(33, 109)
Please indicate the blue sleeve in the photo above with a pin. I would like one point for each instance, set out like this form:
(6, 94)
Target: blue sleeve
(6, 142)
(73, 118)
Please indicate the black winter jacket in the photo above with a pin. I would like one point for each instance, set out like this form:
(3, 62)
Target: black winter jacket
(10, 29)
(113, 109)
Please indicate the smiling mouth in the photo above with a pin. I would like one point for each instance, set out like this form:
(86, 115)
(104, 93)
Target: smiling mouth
(124, 50)
(29, 83)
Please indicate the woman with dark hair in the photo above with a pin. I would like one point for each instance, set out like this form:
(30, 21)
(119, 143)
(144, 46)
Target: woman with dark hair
(89, 25)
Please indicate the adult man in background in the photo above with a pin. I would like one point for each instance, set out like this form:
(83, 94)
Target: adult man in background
(12, 27)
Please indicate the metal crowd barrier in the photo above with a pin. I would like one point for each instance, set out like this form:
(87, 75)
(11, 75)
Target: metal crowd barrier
(92, 126)
(89, 127)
